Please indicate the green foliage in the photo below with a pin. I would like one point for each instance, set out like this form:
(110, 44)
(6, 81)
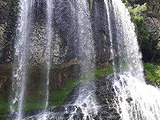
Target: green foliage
(15, 6)
(137, 18)
(136, 13)
(124, 1)
(152, 72)
(148, 40)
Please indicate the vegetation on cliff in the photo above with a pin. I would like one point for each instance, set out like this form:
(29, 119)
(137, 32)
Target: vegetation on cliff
(147, 24)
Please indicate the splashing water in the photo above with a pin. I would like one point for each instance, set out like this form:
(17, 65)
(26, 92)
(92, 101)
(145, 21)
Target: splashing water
(20, 63)
(86, 101)
(137, 100)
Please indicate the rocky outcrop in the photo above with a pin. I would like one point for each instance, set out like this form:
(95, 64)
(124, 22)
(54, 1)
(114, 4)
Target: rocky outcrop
(4, 10)
(136, 1)
(100, 31)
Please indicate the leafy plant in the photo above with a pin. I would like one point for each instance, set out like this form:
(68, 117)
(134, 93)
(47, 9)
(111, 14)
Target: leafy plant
(152, 72)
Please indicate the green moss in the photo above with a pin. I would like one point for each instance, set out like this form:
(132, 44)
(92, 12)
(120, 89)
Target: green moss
(152, 72)
(91, 4)
(34, 102)
(3, 106)
(103, 72)
(57, 97)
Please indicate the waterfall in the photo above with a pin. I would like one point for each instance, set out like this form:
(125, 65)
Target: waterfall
(108, 7)
(128, 49)
(86, 43)
(49, 56)
(86, 100)
(20, 59)
(136, 99)
(50, 36)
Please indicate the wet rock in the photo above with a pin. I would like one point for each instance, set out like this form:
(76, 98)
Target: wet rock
(5, 80)
(65, 44)
(105, 101)
(129, 99)
(7, 29)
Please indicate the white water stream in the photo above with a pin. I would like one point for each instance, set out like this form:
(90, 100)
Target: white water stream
(49, 12)
(86, 99)
(50, 37)
(20, 64)
(137, 100)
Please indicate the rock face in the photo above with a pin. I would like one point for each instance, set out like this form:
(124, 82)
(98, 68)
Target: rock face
(65, 44)
(8, 19)
(154, 8)
(105, 96)
(152, 22)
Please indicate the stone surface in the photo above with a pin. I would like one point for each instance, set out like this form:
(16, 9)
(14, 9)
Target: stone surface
(152, 23)
(65, 44)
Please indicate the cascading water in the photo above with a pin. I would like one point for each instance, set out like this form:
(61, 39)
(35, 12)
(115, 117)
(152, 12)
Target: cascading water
(87, 101)
(108, 7)
(50, 36)
(130, 57)
(20, 64)
(86, 43)
(136, 99)
(49, 43)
